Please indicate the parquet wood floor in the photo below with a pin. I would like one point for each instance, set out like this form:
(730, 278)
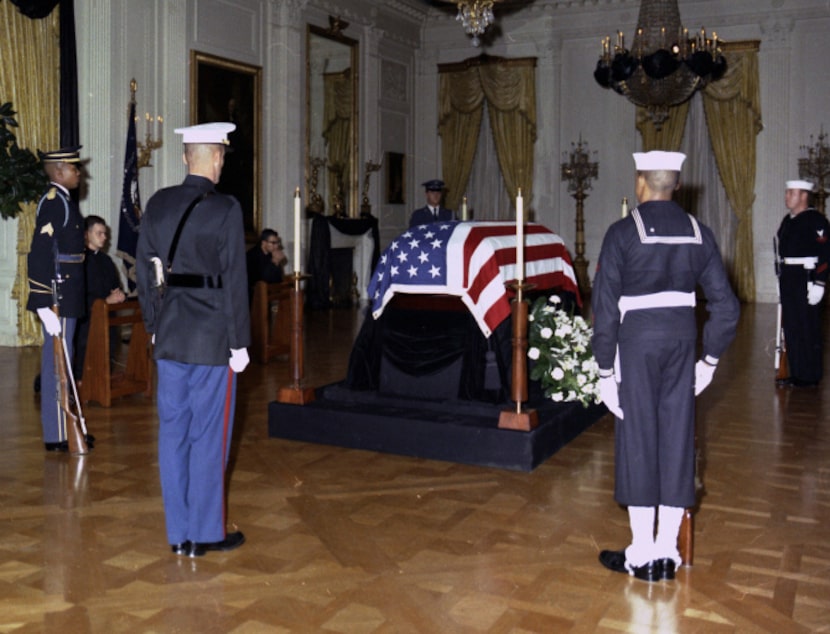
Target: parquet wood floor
(346, 541)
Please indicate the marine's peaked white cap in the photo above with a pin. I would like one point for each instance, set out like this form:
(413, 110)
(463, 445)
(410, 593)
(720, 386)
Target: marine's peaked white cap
(658, 160)
(207, 133)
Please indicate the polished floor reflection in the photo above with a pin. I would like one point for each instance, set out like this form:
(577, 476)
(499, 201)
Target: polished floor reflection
(351, 541)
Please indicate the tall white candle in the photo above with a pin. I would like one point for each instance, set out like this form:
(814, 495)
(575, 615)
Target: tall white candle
(520, 237)
(464, 208)
(624, 208)
(297, 224)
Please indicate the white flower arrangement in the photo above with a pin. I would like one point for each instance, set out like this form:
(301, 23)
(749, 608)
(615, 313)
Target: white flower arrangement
(560, 347)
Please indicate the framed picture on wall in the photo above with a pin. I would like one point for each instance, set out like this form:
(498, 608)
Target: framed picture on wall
(395, 178)
(226, 90)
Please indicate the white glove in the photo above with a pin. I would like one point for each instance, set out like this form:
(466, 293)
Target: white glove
(704, 371)
(814, 293)
(50, 321)
(239, 359)
(609, 392)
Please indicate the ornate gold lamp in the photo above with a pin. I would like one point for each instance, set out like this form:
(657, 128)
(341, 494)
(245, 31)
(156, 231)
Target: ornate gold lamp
(365, 205)
(579, 171)
(816, 166)
(146, 149)
(664, 66)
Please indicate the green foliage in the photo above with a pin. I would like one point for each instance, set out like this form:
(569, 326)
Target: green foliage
(560, 347)
(21, 175)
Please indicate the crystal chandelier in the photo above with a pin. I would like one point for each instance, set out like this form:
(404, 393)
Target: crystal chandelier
(665, 65)
(475, 16)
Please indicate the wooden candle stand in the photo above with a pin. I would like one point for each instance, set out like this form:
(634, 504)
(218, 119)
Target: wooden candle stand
(296, 393)
(520, 420)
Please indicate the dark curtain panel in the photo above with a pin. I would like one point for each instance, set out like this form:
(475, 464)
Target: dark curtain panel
(69, 76)
(35, 9)
(38, 9)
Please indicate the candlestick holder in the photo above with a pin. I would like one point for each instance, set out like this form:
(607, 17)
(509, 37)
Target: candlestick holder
(366, 207)
(339, 196)
(316, 203)
(578, 170)
(519, 419)
(297, 392)
(816, 166)
(146, 149)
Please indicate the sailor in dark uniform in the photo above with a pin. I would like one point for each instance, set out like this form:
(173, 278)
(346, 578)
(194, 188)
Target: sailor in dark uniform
(643, 304)
(432, 211)
(56, 262)
(194, 238)
(803, 242)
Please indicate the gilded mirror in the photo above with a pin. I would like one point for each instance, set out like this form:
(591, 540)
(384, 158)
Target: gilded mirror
(331, 121)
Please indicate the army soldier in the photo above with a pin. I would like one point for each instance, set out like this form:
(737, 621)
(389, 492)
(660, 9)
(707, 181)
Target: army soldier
(803, 252)
(56, 275)
(194, 237)
(644, 315)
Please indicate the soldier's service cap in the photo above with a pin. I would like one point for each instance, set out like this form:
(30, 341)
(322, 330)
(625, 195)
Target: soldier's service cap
(434, 185)
(216, 132)
(658, 160)
(71, 154)
(805, 185)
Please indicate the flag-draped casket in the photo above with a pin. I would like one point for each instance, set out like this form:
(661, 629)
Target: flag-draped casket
(439, 325)
(473, 261)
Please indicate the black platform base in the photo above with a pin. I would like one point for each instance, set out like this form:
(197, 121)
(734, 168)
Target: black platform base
(456, 431)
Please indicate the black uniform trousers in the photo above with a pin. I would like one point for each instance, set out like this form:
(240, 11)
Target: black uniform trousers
(655, 442)
(802, 325)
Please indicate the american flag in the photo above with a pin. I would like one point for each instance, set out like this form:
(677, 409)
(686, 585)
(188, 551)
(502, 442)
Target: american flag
(473, 261)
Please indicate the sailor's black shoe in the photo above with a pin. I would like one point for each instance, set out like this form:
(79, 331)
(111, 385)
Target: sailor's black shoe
(615, 560)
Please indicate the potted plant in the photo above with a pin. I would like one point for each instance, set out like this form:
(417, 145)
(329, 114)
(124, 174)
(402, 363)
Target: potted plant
(22, 179)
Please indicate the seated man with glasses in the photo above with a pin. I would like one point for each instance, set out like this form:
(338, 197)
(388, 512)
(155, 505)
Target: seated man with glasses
(265, 260)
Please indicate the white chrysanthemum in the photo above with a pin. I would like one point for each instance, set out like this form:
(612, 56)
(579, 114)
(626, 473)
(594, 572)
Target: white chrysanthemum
(555, 299)
(581, 379)
(558, 374)
(533, 353)
(558, 396)
(545, 333)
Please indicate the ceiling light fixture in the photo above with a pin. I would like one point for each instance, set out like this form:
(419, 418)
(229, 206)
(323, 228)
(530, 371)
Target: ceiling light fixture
(665, 66)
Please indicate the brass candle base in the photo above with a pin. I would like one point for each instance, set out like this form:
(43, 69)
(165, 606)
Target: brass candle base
(297, 393)
(518, 419)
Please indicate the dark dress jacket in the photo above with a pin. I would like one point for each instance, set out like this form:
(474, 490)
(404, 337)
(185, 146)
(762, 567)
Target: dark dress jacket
(424, 216)
(57, 249)
(195, 325)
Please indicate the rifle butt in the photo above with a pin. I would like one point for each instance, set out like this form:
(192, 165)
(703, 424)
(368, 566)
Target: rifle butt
(783, 367)
(75, 437)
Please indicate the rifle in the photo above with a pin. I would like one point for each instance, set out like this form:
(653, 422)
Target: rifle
(75, 425)
(782, 370)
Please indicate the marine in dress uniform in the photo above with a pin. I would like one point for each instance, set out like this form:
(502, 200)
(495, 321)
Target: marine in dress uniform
(201, 331)
(643, 304)
(56, 261)
(803, 254)
(432, 211)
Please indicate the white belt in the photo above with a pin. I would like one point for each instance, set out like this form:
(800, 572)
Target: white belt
(665, 299)
(807, 262)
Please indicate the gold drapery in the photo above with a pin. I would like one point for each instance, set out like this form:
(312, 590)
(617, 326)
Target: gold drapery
(30, 79)
(733, 114)
(670, 136)
(337, 131)
(509, 88)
